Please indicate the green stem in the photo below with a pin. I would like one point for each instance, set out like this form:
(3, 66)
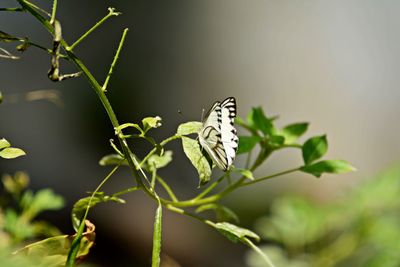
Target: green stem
(111, 13)
(269, 177)
(259, 252)
(12, 9)
(73, 252)
(99, 91)
(53, 12)
(154, 150)
(121, 43)
(167, 189)
(210, 188)
(126, 191)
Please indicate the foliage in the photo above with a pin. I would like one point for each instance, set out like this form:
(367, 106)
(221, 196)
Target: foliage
(359, 229)
(261, 133)
(8, 152)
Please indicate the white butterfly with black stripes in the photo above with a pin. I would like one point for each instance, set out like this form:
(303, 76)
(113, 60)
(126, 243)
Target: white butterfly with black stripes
(218, 136)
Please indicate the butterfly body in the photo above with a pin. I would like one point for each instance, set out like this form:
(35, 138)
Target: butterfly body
(218, 135)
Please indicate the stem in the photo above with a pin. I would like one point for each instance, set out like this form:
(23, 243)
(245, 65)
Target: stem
(269, 177)
(167, 189)
(111, 13)
(211, 187)
(12, 9)
(126, 191)
(121, 43)
(53, 12)
(259, 252)
(99, 91)
(73, 252)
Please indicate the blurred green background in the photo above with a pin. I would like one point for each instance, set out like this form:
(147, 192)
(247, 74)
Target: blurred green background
(334, 64)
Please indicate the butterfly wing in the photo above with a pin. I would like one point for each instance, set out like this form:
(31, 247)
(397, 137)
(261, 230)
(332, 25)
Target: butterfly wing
(218, 135)
(229, 136)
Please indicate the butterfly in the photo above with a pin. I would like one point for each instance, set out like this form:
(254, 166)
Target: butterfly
(218, 137)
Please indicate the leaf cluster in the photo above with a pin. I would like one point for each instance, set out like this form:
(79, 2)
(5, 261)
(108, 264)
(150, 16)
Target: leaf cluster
(359, 229)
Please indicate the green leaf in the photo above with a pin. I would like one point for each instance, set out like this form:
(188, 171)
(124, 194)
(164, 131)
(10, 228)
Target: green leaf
(235, 233)
(190, 127)
(293, 131)
(276, 140)
(193, 152)
(4, 143)
(127, 125)
(15, 185)
(157, 162)
(247, 143)
(222, 213)
(155, 259)
(151, 122)
(44, 199)
(80, 206)
(18, 228)
(245, 172)
(11, 153)
(259, 121)
(314, 148)
(328, 166)
(112, 159)
(53, 251)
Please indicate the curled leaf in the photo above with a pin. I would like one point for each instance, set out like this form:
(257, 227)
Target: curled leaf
(151, 122)
(53, 251)
(80, 206)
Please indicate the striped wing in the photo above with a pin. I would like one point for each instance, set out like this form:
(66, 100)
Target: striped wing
(218, 135)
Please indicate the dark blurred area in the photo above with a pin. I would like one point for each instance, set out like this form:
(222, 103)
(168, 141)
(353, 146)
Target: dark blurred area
(334, 64)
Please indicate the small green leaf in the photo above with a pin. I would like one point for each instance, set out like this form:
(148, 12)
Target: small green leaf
(235, 233)
(151, 122)
(222, 213)
(4, 143)
(193, 152)
(276, 141)
(328, 166)
(245, 172)
(157, 162)
(11, 153)
(293, 131)
(127, 125)
(155, 260)
(44, 199)
(259, 121)
(80, 206)
(15, 185)
(190, 127)
(314, 148)
(112, 159)
(247, 143)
